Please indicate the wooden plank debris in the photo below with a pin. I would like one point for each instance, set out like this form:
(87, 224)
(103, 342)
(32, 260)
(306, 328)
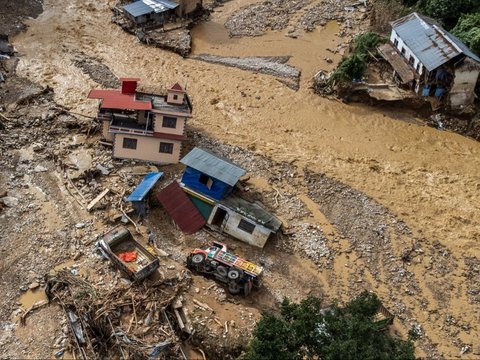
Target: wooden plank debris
(97, 199)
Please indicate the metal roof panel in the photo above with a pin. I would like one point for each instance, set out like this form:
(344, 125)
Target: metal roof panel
(181, 209)
(114, 99)
(426, 39)
(145, 186)
(138, 8)
(213, 165)
(252, 211)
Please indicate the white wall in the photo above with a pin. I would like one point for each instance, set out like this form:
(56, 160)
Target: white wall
(463, 88)
(259, 236)
(394, 36)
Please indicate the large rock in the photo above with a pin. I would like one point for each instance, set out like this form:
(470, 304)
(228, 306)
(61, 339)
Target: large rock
(9, 201)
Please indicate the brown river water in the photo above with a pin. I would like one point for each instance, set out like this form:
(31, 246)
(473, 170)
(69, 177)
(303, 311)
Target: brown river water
(429, 178)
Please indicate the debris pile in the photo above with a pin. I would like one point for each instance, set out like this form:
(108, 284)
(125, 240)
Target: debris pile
(256, 19)
(132, 321)
(270, 65)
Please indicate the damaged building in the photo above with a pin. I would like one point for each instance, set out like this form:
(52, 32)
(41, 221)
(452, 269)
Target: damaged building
(144, 126)
(143, 12)
(429, 60)
(208, 183)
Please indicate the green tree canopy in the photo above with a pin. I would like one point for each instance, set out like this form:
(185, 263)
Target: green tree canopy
(306, 331)
(468, 30)
(447, 11)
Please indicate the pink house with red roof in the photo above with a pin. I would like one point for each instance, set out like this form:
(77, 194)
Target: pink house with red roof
(143, 126)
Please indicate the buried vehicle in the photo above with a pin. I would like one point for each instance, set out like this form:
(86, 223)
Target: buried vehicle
(239, 274)
(127, 254)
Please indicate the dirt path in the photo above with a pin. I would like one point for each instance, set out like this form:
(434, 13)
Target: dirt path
(413, 175)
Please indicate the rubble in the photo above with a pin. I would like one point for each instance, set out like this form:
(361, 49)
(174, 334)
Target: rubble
(255, 19)
(117, 322)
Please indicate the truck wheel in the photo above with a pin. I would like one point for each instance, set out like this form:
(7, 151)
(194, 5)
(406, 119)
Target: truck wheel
(197, 259)
(234, 288)
(222, 271)
(247, 288)
(235, 274)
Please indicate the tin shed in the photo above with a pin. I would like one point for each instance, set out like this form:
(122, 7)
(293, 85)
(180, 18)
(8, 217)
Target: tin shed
(210, 174)
(138, 196)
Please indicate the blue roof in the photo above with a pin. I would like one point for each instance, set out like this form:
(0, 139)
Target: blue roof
(145, 186)
(428, 41)
(213, 165)
(143, 7)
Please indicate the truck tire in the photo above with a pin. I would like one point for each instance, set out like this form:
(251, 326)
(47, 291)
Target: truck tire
(222, 271)
(234, 288)
(235, 274)
(247, 288)
(197, 259)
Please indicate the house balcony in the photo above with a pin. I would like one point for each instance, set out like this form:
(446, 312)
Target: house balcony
(128, 125)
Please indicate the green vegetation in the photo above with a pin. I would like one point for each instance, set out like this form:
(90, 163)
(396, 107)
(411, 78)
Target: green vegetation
(447, 12)
(353, 66)
(305, 331)
(468, 30)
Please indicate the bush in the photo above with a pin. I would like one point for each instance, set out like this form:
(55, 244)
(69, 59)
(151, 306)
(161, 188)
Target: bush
(367, 42)
(305, 331)
(350, 68)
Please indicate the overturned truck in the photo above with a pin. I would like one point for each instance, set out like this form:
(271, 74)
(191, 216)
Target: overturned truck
(239, 274)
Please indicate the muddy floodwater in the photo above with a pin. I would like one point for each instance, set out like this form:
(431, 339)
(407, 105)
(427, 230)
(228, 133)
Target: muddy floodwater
(428, 178)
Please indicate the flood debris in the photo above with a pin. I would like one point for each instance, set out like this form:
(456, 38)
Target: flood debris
(270, 65)
(127, 322)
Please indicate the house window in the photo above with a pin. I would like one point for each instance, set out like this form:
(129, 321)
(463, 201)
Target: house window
(206, 180)
(418, 68)
(169, 122)
(395, 43)
(403, 51)
(411, 61)
(166, 148)
(246, 226)
(175, 97)
(129, 143)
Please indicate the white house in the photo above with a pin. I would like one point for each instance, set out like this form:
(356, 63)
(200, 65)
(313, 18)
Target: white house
(431, 60)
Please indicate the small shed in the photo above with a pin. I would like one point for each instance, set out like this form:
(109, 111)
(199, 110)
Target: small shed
(210, 174)
(243, 220)
(138, 197)
(155, 11)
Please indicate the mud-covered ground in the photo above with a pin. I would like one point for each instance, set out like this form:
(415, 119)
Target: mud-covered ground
(368, 201)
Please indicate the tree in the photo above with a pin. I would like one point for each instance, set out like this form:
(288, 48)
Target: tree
(306, 331)
(350, 68)
(468, 30)
(447, 11)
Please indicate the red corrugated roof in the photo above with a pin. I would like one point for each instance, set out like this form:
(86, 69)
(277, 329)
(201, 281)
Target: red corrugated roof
(167, 136)
(114, 99)
(181, 208)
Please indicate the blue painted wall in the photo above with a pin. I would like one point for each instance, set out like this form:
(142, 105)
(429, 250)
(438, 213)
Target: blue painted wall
(191, 178)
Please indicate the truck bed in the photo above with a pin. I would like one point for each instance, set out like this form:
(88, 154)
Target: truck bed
(143, 258)
(120, 240)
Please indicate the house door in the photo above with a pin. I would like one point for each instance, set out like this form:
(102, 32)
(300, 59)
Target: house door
(219, 217)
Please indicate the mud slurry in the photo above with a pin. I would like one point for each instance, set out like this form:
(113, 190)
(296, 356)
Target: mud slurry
(409, 228)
